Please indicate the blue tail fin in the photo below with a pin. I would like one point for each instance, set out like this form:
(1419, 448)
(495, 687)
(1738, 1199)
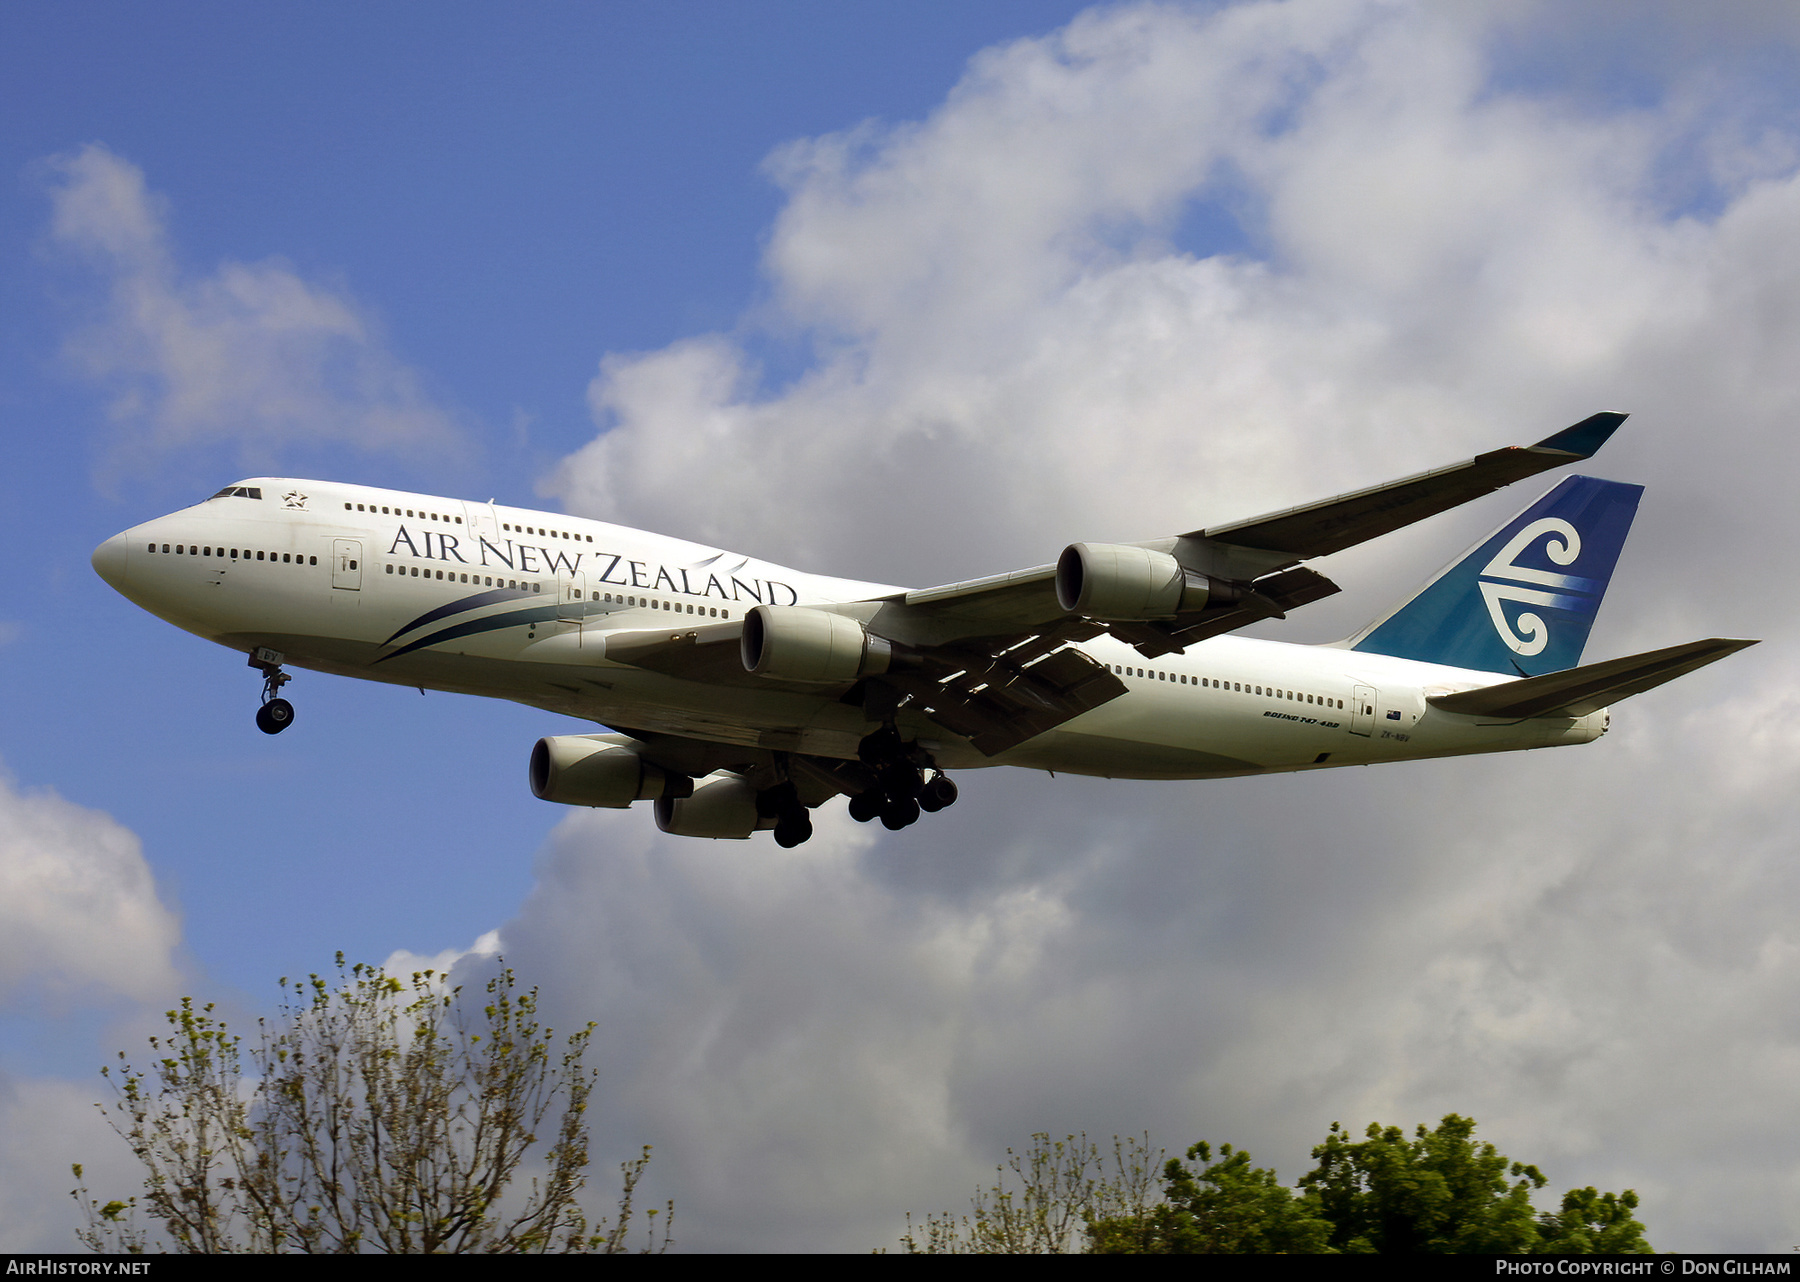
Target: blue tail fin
(1512, 604)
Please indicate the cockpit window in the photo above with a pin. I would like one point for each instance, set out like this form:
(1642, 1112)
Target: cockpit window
(240, 491)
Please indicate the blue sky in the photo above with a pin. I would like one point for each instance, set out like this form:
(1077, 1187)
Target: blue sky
(507, 196)
(915, 293)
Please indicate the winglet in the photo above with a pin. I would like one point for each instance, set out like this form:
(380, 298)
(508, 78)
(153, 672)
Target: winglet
(1585, 438)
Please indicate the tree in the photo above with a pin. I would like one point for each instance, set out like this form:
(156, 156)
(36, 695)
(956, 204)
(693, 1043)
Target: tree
(1227, 1208)
(1064, 1186)
(1593, 1223)
(1440, 1191)
(379, 1116)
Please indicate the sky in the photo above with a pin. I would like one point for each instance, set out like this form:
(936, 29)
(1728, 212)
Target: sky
(915, 293)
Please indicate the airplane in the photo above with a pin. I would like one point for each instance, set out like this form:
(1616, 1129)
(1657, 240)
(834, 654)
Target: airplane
(737, 696)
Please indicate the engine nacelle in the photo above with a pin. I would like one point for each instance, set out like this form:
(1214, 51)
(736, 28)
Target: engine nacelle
(724, 808)
(793, 643)
(586, 770)
(1117, 581)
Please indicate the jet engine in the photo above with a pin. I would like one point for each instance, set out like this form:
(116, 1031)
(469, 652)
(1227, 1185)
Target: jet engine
(1117, 581)
(723, 808)
(793, 643)
(586, 770)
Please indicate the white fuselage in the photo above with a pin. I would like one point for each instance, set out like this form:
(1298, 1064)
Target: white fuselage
(509, 603)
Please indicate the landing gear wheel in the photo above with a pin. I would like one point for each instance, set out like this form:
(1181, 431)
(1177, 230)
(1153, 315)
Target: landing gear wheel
(276, 713)
(865, 806)
(937, 794)
(898, 812)
(275, 716)
(793, 827)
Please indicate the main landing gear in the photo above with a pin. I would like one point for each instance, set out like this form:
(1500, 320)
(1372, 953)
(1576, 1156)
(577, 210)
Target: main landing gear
(901, 790)
(276, 713)
(793, 822)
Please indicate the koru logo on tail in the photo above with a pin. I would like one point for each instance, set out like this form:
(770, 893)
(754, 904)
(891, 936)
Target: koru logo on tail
(1505, 580)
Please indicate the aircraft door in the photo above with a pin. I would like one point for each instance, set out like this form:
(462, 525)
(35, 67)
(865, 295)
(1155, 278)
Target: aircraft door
(346, 564)
(1362, 711)
(482, 524)
(571, 590)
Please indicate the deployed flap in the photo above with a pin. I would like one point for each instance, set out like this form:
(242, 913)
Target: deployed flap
(998, 702)
(1579, 691)
(1334, 524)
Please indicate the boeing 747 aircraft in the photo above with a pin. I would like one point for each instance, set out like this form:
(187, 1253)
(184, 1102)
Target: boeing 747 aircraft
(740, 695)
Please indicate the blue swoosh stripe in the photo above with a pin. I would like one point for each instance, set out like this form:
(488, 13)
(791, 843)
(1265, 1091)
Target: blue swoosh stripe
(460, 606)
(493, 623)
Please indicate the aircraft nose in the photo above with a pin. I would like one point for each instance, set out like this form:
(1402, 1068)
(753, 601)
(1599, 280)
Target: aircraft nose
(109, 560)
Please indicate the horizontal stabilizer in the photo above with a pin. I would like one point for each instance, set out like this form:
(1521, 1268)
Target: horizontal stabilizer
(1579, 691)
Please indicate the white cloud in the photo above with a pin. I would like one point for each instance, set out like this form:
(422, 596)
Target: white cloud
(79, 910)
(402, 962)
(250, 355)
(1013, 348)
(47, 1126)
(81, 927)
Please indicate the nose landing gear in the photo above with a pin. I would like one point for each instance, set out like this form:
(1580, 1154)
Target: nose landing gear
(276, 713)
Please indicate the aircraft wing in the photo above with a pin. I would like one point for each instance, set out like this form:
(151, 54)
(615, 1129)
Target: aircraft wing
(1254, 565)
(708, 652)
(1317, 529)
(997, 694)
(1576, 692)
(990, 658)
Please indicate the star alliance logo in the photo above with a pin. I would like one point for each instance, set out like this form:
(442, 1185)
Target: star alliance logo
(294, 499)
